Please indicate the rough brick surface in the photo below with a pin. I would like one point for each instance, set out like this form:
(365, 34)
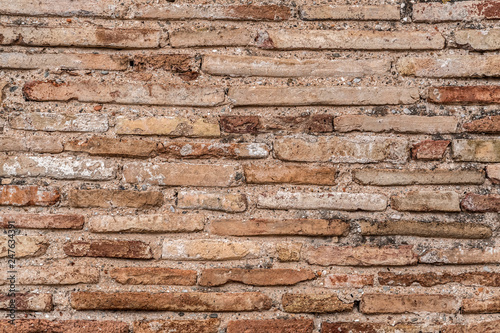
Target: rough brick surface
(493, 172)
(256, 277)
(109, 248)
(76, 326)
(28, 302)
(368, 13)
(271, 326)
(313, 303)
(374, 304)
(425, 201)
(206, 249)
(481, 203)
(12, 195)
(289, 174)
(479, 150)
(452, 66)
(429, 149)
(479, 40)
(114, 198)
(226, 202)
(489, 124)
(418, 177)
(147, 223)
(168, 126)
(23, 246)
(404, 124)
(51, 122)
(188, 326)
(460, 11)
(153, 276)
(434, 279)
(38, 221)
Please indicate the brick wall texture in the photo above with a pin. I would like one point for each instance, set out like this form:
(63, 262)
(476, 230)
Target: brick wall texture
(235, 166)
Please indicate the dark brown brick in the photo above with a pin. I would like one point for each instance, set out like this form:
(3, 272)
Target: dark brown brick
(314, 303)
(429, 149)
(114, 198)
(256, 277)
(109, 248)
(61, 326)
(489, 124)
(431, 279)
(481, 203)
(271, 326)
(465, 95)
(185, 326)
(239, 124)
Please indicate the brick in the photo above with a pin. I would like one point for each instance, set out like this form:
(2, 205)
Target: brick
(28, 302)
(171, 301)
(9, 143)
(425, 229)
(42, 221)
(398, 124)
(339, 281)
(380, 303)
(365, 13)
(74, 326)
(279, 227)
(12, 195)
(177, 63)
(489, 124)
(350, 40)
(465, 95)
(288, 251)
(209, 249)
(153, 276)
(478, 40)
(316, 123)
(183, 174)
(289, 174)
(109, 249)
(51, 122)
(493, 172)
(361, 149)
(460, 256)
(95, 92)
(90, 8)
(476, 150)
(456, 11)
(271, 326)
(395, 177)
(56, 274)
(63, 61)
(169, 126)
(218, 37)
(113, 147)
(481, 203)
(429, 149)
(474, 305)
(314, 303)
(57, 167)
(255, 277)
(304, 96)
(273, 67)
(355, 327)
(450, 66)
(214, 149)
(226, 202)
(187, 326)
(431, 279)
(239, 124)
(25, 246)
(89, 36)
(361, 256)
(45, 144)
(322, 200)
(426, 201)
(114, 198)
(147, 223)
(486, 327)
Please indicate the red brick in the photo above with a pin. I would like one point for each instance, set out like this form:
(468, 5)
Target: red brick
(493, 172)
(153, 276)
(431, 279)
(255, 277)
(109, 248)
(489, 124)
(60, 326)
(481, 203)
(337, 281)
(40, 221)
(239, 124)
(350, 327)
(271, 326)
(381, 303)
(314, 303)
(483, 327)
(465, 95)
(289, 174)
(12, 195)
(185, 326)
(28, 302)
(114, 198)
(316, 123)
(429, 149)
(476, 305)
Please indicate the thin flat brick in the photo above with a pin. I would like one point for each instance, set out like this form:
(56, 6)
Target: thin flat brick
(271, 326)
(356, 327)
(306, 123)
(361, 256)
(42, 221)
(239, 124)
(426, 201)
(12, 195)
(314, 303)
(210, 249)
(434, 279)
(380, 303)
(168, 126)
(153, 276)
(114, 198)
(481, 203)
(207, 38)
(10, 143)
(478, 40)
(485, 326)
(187, 326)
(288, 251)
(476, 150)
(395, 177)
(429, 149)
(45, 144)
(460, 256)
(363, 13)
(456, 11)
(340, 281)
(27, 302)
(25, 246)
(54, 274)
(113, 147)
(158, 223)
(120, 93)
(185, 150)
(489, 124)
(226, 202)
(175, 62)
(90, 8)
(255, 277)
(493, 172)
(171, 301)
(109, 249)
(475, 305)
(398, 124)
(304, 96)
(52, 122)
(289, 174)
(322, 200)
(465, 95)
(74, 326)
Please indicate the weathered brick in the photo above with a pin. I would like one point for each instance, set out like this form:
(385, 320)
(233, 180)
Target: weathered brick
(362, 149)
(338, 281)
(74, 326)
(239, 124)
(218, 37)
(182, 174)
(489, 124)
(169, 126)
(226, 202)
(426, 201)
(476, 150)
(380, 303)
(433, 279)
(465, 95)
(12, 195)
(356, 327)
(63, 61)
(28, 302)
(89, 36)
(171, 301)
(475, 305)
(481, 203)
(10, 143)
(271, 326)
(397, 177)
(425, 229)
(213, 150)
(282, 227)
(57, 167)
(399, 124)
(256, 277)
(108, 248)
(350, 40)
(147, 223)
(113, 147)
(366, 13)
(114, 198)
(45, 144)
(479, 40)
(361, 256)
(210, 249)
(50, 122)
(460, 256)
(153, 276)
(493, 172)
(177, 63)
(288, 251)
(24, 246)
(91, 8)
(274, 67)
(56, 273)
(289, 174)
(307, 123)
(303, 96)
(119, 93)
(429, 149)
(456, 11)
(485, 326)
(187, 326)
(322, 200)
(42, 221)
(314, 303)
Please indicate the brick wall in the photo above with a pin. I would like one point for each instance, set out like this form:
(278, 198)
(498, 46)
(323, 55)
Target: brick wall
(293, 166)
